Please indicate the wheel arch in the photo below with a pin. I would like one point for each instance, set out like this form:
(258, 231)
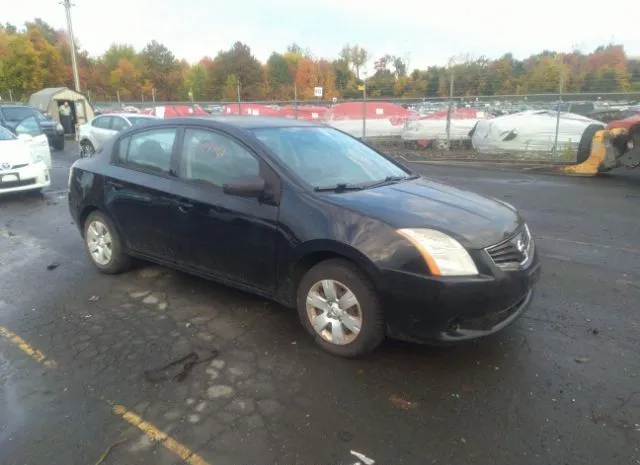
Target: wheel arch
(314, 252)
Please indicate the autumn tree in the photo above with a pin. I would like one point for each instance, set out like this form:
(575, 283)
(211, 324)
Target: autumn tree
(326, 79)
(22, 72)
(306, 79)
(125, 79)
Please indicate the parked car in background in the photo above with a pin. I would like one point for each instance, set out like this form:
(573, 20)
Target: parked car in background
(12, 115)
(312, 218)
(95, 133)
(25, 157)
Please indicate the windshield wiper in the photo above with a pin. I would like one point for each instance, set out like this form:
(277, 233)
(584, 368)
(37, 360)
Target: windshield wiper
(341, 187)
(390, 180)
(344, 187)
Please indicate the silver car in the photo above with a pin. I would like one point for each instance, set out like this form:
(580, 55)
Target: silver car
(93, 135)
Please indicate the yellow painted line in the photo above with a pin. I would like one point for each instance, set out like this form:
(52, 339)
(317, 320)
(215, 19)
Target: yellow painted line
(156, 435)
(589, 244)
(26, 348)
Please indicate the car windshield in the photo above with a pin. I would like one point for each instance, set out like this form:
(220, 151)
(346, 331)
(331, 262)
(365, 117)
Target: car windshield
(5, 134)
(138, 121)
(325, 157)
(17, 113)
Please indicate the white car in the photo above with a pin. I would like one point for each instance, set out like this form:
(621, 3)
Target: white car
(25, 158)
(95, 133)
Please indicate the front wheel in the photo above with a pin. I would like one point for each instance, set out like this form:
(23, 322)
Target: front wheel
(339, 306)
(86, 149)
(104, 245)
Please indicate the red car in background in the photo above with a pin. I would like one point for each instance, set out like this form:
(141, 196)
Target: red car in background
(175, 111)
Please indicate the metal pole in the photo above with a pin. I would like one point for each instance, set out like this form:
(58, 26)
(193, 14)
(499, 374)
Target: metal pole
(555, 144)
(153, 94)
(72, 44)
(450, 110)
(364, 111)
(10, 95)
(118, 96)
(239, 104)
(295, 100)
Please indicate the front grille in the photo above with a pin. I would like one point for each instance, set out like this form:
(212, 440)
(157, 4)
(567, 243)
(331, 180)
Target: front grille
(15, 167)
(514, 252)
(12, 184)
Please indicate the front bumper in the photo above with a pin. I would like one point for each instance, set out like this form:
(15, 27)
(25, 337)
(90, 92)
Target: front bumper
(25, 178)
(426, 309)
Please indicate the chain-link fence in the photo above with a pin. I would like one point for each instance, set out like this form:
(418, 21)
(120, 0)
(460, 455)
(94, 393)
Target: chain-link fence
(524, 127)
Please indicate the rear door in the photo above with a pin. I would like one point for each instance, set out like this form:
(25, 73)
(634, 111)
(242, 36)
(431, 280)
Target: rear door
(118, 124)
(231, 238)
(101, 130)
(138, 195)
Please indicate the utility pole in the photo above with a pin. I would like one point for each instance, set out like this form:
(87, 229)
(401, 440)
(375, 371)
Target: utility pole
(450, 110)
(239, 101)
(561, 92)
(72, 43)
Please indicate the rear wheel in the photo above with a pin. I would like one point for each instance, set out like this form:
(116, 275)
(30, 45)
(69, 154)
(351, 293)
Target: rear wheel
(58, 144)
(586, 142)
(104, 245)
(86, 149)
(339, 306)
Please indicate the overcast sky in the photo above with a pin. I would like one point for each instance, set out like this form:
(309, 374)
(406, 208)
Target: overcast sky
(427, 32)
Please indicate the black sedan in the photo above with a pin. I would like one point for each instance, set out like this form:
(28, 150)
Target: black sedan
(312, 218)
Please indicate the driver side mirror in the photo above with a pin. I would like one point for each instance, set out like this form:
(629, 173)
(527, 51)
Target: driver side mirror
(246, 186)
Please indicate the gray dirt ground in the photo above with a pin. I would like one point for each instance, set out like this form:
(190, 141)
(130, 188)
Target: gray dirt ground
(559, 387)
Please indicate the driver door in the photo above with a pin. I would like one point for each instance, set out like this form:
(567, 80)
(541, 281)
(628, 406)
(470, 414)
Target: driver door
(231, 238)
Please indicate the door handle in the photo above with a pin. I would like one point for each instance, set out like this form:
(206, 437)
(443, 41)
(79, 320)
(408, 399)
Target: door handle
(184, 207)
(116, 186)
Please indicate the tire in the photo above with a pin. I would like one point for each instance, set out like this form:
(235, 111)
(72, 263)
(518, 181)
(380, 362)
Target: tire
(118, 261)
(58, 144)
(367, 310)
(586, 141)
(86, 149)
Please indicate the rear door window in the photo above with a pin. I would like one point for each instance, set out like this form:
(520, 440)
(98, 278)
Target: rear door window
(215, 159)
(102, 122)
(148, 150)
(118, 124)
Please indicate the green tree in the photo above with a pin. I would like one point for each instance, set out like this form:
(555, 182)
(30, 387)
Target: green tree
(240, 63)
(278, 77)
(162, 69)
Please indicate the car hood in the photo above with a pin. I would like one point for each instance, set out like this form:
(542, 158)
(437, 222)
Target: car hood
(474, 220)
(15, 153)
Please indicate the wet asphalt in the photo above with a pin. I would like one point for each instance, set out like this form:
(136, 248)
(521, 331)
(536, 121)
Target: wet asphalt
(559, 387)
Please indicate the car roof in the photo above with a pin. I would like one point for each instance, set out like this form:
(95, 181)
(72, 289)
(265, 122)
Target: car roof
(128, 115)
(15, 105)
(242, 122)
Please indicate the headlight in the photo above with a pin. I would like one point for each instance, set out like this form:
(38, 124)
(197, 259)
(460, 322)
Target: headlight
(443, 254)
(59, 127)
(35, 157)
